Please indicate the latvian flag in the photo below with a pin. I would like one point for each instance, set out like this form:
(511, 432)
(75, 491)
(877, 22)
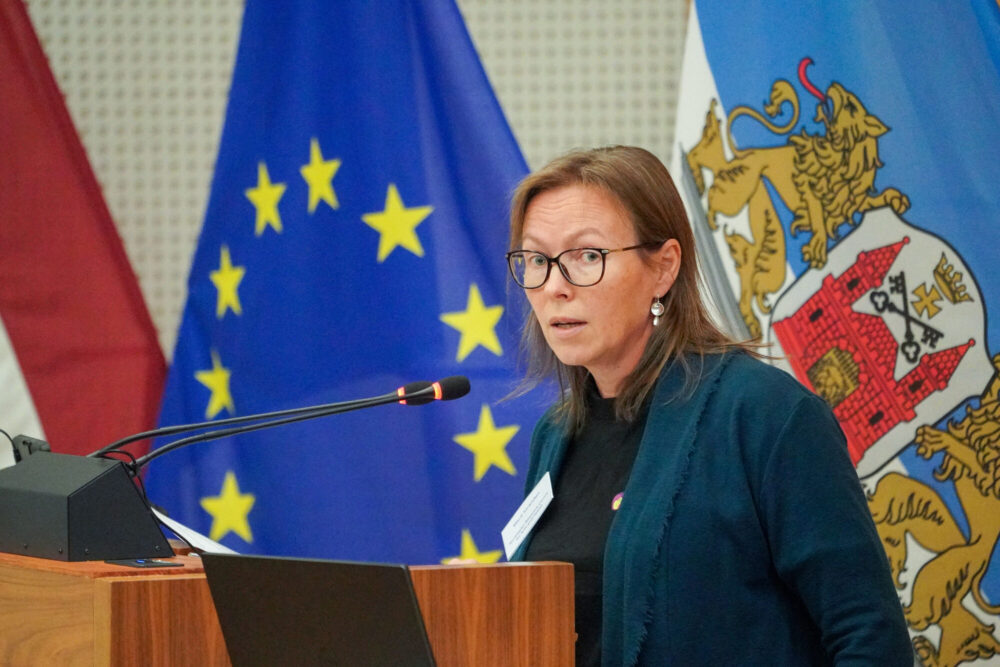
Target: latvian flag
(80, 365)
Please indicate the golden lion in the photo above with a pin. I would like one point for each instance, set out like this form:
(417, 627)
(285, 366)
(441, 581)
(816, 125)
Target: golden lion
(823, 179)
(901, 505)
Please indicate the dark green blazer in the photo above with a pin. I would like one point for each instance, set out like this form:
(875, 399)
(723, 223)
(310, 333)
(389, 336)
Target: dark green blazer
(744, 537)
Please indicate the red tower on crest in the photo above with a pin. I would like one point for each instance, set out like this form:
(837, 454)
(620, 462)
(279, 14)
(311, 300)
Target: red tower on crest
(849, 358)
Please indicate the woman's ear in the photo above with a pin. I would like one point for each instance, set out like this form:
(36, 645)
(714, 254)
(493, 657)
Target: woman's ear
(668, 264)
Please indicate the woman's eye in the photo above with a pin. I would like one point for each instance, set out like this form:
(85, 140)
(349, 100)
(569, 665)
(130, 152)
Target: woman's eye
(537, 261)
(590, 256)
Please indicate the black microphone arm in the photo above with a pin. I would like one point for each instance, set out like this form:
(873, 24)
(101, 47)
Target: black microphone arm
(185, 428)
(415, 393)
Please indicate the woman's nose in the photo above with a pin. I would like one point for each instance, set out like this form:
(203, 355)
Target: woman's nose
(557, 286)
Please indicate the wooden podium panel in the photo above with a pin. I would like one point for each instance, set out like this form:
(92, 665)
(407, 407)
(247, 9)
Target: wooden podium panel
(509, 614)
(157, 620)
(93, 613)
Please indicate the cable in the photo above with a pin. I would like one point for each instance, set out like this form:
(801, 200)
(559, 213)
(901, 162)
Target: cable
(131, 466)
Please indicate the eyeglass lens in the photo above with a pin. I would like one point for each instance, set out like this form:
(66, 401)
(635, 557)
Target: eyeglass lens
(581, 266)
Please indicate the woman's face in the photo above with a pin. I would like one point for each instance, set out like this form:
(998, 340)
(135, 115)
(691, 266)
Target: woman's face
(604, 327)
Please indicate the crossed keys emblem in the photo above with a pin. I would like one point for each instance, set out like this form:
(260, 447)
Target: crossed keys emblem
(883, 303)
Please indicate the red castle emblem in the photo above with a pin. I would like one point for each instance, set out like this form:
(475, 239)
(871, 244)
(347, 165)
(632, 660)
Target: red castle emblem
(849, 357)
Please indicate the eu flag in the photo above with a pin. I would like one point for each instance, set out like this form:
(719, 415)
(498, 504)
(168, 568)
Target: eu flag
(353, 242)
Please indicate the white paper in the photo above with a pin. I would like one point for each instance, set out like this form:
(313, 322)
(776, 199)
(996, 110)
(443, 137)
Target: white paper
(527, 515)
(193, 537)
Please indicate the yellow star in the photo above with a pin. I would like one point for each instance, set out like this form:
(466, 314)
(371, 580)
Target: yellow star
(489, 444)
(217, 380)
(476, 324)
(227, 280)
(470, 552)
(397, 225)
(319, 175)
(265, 198)
(229, 510)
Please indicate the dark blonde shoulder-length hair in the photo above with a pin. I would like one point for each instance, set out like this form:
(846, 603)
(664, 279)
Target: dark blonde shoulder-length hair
(643, 187)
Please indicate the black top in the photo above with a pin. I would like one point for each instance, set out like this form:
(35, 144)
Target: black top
(575, 526)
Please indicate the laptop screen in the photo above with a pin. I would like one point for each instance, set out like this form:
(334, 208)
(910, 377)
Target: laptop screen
(316, 612)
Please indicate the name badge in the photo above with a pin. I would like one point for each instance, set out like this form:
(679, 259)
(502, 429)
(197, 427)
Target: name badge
(527, 515)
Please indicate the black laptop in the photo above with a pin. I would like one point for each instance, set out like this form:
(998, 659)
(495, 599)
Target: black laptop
(294, 611)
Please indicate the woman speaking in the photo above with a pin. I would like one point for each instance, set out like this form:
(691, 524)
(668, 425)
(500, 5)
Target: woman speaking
(705, 498)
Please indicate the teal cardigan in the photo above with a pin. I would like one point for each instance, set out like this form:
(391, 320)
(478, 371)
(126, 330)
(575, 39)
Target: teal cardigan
(744, 536)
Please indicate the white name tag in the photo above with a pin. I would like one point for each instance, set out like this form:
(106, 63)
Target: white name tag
(527, 515)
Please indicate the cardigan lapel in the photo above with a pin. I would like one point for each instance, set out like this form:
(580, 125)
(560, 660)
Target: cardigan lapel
(632, 553)
(552, 451)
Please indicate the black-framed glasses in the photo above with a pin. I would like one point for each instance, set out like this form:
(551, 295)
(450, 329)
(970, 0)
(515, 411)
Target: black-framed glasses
(582, 267)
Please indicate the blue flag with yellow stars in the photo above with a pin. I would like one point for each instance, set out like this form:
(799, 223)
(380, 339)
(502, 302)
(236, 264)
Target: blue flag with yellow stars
(354, 242)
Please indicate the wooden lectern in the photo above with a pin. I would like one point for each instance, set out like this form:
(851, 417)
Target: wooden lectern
(93, 613)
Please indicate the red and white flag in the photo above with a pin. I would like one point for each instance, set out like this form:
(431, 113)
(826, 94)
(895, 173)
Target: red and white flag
(79, 361)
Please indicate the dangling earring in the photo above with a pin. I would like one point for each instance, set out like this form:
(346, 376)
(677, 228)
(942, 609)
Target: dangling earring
(657, 310)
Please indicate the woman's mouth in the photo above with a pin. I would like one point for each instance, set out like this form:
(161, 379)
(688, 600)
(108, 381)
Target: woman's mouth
(564, 325)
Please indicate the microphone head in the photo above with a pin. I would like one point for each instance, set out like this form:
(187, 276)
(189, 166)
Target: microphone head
(446, 389)
(452, 387)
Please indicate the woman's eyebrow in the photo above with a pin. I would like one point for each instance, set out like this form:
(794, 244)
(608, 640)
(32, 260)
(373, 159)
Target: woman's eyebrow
(571, 240)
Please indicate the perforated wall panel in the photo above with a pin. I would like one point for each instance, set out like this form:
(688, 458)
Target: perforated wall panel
(146, 83)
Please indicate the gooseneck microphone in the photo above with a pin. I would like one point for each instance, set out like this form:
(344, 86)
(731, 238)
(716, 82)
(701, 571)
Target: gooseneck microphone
(76, 508)
(414, 393)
